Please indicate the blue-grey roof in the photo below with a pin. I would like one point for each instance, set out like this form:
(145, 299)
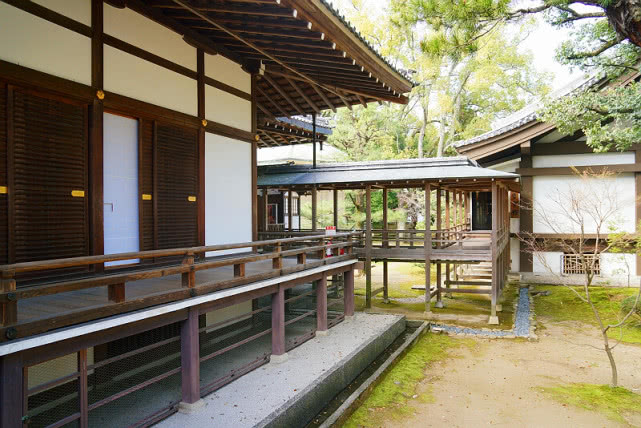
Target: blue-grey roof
(431, 169)
(305, 122)
(529, 113)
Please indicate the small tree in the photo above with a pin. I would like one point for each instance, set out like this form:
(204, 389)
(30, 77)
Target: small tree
(589, 209)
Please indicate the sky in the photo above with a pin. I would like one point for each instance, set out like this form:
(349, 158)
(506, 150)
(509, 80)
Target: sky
(542, 43)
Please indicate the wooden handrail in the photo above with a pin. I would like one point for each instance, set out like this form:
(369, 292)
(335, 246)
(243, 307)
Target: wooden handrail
(89, 260)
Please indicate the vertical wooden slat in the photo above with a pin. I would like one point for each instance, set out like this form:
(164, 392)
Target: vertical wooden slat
(428, 247)
(154, 161)
(4, 167)
(141, 191)
(11, 240)
(290, 215)
(200, 69)
(254, 160)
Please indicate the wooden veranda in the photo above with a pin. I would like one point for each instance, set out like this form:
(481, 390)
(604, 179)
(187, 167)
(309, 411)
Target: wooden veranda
(451, 242)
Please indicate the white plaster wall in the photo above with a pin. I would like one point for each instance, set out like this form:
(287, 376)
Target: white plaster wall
(515, 225)
(133, 28)
(583, 159)
(228, 191)
(227, 109)
(35, 43)
(618, 264)
(226, 71)
(136, 78)
(515, 254)
(56, 368)
(220, 315)
(547, 262)
(551, 195)
(509, 166)
(78, 10)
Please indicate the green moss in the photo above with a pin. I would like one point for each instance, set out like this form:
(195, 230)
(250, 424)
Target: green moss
(564, 305)
(614, 403)
(389, 399)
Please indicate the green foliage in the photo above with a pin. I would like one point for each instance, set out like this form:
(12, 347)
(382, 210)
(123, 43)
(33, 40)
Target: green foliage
(563, 305)
(390, 397)
(615, 403)
(628, 303)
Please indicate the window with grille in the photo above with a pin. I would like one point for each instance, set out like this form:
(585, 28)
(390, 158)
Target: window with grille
(573, 264)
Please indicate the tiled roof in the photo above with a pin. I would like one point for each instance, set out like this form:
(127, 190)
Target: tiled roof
(530, 112)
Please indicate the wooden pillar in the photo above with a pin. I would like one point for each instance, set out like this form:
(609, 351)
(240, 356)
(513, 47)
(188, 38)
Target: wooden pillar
(265, 202)
(278, 325)
(385, 282)
(427, 247)
(190, 360)
(368, 246)
(96, 130)
(83, 388)
(439, 236)
(495, 265)
(348, 292)
(385, 227)
(335, 213)
(314, 209)
(321, 306)
(526, 215)
(447, 214)
(290, 215)
(467, 210)
(11, 393)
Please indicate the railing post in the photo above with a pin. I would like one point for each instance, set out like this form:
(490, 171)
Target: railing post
(9, 314)
(190, 363)
(321, 306)
(277, 262)
(321, 253)
(278, 327)
(239, 270)
(116, 292)
(189, 278)
(348, 292)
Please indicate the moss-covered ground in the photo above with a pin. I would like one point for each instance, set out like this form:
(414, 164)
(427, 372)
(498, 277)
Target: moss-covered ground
(615, 403)
(470, 310)
(389, 400)
(562, 304)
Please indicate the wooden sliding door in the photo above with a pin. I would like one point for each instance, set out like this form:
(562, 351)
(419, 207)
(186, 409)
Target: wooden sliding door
(47, 149)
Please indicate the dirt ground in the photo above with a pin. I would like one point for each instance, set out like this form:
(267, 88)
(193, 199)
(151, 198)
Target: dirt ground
(496, 382)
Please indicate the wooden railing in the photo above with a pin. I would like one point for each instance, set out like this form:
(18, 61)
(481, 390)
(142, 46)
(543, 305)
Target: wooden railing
(193, 260)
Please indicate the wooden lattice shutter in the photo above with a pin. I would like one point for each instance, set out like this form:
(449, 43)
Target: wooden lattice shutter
(147, 185)
(50, 192)
(177, 186)
(4, 207)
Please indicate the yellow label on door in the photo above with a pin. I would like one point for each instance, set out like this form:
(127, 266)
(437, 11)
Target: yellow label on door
(78, 193)
(191, 198)
(146, 197)
(3, 190)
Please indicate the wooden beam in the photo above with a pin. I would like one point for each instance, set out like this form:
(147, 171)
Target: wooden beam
(274, 103)
(324, 97)
(307, 99)
(597, 169)
(284, 94)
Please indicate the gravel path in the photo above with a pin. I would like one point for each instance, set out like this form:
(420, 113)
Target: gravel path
(521, 323)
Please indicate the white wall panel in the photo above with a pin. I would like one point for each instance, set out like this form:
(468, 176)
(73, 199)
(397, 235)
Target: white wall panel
(515, 254)
(551, 195)
(515, 225)
(78, 10)
(227, 109)
(618, 264)
(228, 191)
(547, 262)
(35, 43)
(583, 159)
(136, 78)
(226, 71)
(133, 28)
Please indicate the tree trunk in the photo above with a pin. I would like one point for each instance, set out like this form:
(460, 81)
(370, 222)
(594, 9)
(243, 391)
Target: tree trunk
(625, 17)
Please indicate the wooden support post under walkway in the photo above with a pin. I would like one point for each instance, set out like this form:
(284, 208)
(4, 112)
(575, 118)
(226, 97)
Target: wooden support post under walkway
(321, 306)
(348, 292)
(190, 362)
(427, 247)
(439, 237)
(368, 246)
(278, 326)
(385, 244)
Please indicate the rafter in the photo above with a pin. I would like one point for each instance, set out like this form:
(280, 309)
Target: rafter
(274, 103)
(283, 93)
(307, 99)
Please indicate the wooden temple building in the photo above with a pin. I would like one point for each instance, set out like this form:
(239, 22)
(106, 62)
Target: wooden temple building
(469, 207)
(133, 280)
